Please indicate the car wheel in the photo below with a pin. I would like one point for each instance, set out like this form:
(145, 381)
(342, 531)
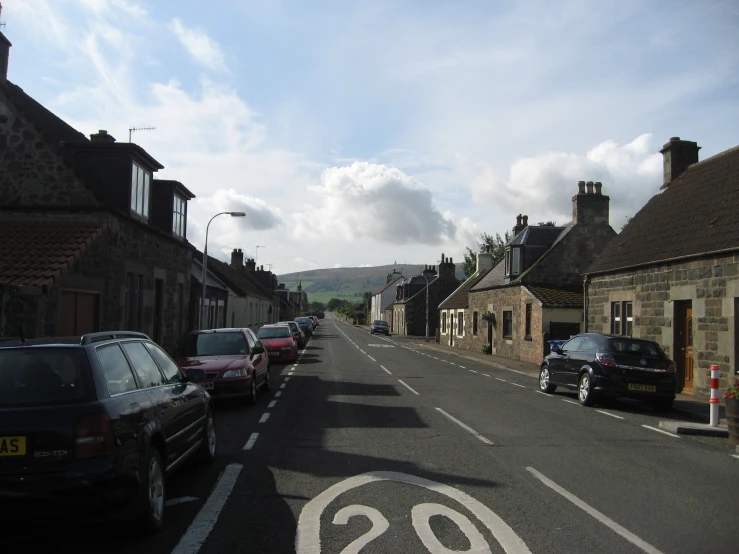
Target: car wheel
(266, 380)
(585, 390)
(661, 404)
(210, 444)
(153, 493)
(545, 384)
(252, 398)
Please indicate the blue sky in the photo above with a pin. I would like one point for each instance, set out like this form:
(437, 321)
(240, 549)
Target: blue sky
(363, 133)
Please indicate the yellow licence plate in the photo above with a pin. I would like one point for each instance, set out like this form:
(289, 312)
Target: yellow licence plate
(645, 388)
(12, 446)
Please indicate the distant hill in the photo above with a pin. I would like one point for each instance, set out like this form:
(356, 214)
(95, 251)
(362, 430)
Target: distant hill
(348, 283)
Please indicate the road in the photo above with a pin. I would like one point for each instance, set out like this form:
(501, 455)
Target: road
(370, 444)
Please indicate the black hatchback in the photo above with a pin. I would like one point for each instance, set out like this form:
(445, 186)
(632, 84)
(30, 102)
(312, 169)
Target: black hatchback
(599, 365)
(97, 422)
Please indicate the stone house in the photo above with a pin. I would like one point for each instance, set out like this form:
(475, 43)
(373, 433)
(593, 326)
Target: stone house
(218, 295)
(672, 275)
(536, 292)
(89, 241)
(409, 308)
(382, 300)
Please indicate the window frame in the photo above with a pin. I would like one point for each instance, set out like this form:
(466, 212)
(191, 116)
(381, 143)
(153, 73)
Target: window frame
(179, 216)
(508, 324)
(460, 324)
(622, 318)
(136, 384)
(527, 321)
(515, 261)
(475, 325)
(140, 190)
(142, 385)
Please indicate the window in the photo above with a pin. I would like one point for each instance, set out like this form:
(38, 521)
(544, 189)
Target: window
(170, 369)
(622, 318)
(508, 261)
(215, 344)
(140, 190)
(527, 331)
(178, 216)
(143, 364)
(573, 345)
(516, 266)
(460, 323)
(507, 324)
(443, 322)
(134, 301)
(117, 372)
(474, 323)
(250, 339)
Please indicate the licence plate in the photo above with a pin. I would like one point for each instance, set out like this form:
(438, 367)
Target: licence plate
(206, 385)
(274, 353)
(12, 446)
(644, 388)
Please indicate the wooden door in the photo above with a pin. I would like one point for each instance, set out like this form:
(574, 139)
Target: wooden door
(688, 388)
(78, 313)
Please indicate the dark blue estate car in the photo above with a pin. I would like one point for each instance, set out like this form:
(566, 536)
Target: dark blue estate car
(98, 422)
(598, 365)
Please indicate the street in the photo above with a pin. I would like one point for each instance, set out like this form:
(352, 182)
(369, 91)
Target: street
(368, 444)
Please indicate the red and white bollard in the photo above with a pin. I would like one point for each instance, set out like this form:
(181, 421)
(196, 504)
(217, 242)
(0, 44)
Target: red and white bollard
(715, 402)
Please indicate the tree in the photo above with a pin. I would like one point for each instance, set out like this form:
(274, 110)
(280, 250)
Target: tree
(497, 249)
(319, 307)
(333, 304)
(547, 224)
(628, 220)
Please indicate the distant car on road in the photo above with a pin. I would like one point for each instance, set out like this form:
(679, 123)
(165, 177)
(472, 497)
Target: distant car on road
(279, 342)
(297, 332)
(306, 325)
(599, 365)
(379, 326)
(96, 423)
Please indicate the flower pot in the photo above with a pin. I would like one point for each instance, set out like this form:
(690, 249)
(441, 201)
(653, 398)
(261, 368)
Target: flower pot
(732, 419)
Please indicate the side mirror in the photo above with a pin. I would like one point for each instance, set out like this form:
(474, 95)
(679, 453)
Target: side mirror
(556, 349)
(195, 374)
(257, 349)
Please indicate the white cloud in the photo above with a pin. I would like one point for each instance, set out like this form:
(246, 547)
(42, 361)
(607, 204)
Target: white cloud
(199, 45)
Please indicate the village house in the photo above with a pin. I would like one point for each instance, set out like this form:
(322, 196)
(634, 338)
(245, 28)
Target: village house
(382, 301)
(672, 275)
(535, 293)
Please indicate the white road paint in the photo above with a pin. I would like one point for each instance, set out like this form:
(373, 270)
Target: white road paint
(371, 358)
(605, 520)
(545, 394)
(202, 525)
(609, 414)
(735, 456)
(292, 369)
(463, 367)
(386, 370)
(501, 380)
(250, 443)
(272, 404)
(406, 386)
(570, 401)
(180, 500)
(264, 418)
(485, 375)
(473, 371)
(661, 431)
(278, 394)
(422, 513)
(517, 385)
(286, 379)
(308, 534)
(465, 427)
(381, 345)
(379, 525)
(282, 386)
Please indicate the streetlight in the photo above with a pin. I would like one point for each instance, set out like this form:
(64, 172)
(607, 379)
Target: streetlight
(256, 255)
(205, 264)
(427, 306)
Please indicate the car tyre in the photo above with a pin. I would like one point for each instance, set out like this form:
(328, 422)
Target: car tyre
(210, 444)
(662, 404)
(252, 398)
(153, 493)
(585, 389)
(545, 384)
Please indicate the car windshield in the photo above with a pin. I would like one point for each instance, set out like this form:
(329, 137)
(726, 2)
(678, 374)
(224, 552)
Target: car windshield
(304, 320)
(44, 377)
(215, 344)
(378, 322)
(274, 332)
(634, 347)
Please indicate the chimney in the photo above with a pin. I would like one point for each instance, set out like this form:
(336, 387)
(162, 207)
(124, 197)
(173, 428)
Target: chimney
(4, 54)
(250, 266)
(429, 272)
(389, 278)
(102, 136)
(237, 258)
(590, 206)
(677, 155)
(521, 223)
(446, 268)
(484, 259)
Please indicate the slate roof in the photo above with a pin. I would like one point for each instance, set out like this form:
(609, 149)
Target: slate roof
(237, 278)
(695, 215)
(388, 285)
(551, 297)
(494, 278)
(537, 235)
(460, 298)
(38, 253)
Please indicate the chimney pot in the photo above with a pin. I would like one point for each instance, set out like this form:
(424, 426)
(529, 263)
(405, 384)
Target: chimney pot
(589, 186)
(4, 55)
(525, 221)
(237, 258)
(518, 219)
(674, 139)
(598, 187)
(581, 187)
(102, 136)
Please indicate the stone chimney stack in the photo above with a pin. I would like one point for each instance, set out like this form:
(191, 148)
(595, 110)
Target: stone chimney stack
(237, 258)
(250, 266)
(102, 136)
(590, 206)
(677, 155)
(429, 271)
(446, 268)
(521, 223)
(4, 54)
(485, 259)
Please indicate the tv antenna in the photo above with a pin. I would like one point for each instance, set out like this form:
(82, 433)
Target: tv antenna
(132, 129)
(1, 11)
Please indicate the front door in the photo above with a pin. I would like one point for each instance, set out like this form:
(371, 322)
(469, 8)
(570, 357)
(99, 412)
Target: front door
(78, 313)
(688, 387)
(683, 351)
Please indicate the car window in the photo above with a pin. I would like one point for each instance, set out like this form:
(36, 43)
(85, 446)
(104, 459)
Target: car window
(215, 344)
(143, 364)
(170, 369)
(274, 332)
(251, 339)
(588, 345)
(117, 372)
(573, 345)
(634, 347)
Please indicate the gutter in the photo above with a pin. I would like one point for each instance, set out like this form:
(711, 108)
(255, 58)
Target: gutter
(585, 301)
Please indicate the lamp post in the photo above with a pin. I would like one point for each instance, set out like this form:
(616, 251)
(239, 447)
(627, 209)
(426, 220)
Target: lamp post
(427, 306)
(205, 265)
(256, 254)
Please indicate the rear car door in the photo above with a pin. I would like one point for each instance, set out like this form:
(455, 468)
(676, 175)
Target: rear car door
(582, 354)
(259, 361)
(569, 349)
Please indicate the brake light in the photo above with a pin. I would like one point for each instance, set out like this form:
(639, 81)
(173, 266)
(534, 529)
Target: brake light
(93, 436)
(606, 359)
(672, 367)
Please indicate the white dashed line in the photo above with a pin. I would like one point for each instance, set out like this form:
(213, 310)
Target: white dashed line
(287, 379)
(386, 369)
(661, 431)
(463, 367)
(406, 386)
(371, 358)
(545, 394)
(265, 417)
(278, 394)
(282, 386)
(473, 371)
(571, 402)
(501, 380)
(735, 456)
(250, 443)
(272, 404)
(485, 375)
(465, 427)
(606, 413)
(517, 385)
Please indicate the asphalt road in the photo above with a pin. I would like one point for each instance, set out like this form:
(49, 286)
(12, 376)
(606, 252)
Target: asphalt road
(369, 444)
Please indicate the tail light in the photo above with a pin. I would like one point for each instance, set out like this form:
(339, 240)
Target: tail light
(606, 359)
(672, 367)
(93, 436)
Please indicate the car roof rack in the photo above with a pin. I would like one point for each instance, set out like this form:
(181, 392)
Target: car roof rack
(110, 335)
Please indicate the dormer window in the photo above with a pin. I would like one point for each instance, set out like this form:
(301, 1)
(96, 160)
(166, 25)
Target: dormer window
(179, 216)
(516, 265)
(507, 261)
(140, 179)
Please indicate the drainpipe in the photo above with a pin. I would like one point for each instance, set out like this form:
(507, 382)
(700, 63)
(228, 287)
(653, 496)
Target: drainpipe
(585, 299)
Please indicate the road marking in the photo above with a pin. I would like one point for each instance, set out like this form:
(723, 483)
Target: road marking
(371, 358)
(544, 393)
(473, 371)
(264, 418)
(661, 431)
(292, 369)
(286, 379)
(606, 413)
(501, 380)
(517, 385)
(735, 456)
(181, 500)
(278, 394)
(409, 388)
(203, 523)
(272, 404)
(463, 367)
(570, 402)
(465, 427)
(386, 369)
(485, 375)
(250, 443)
(605, 520)
(282, 386)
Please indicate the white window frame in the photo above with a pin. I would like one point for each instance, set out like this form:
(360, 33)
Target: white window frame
(179, 214)
(140, 190)
(515, 261)
(460, 323)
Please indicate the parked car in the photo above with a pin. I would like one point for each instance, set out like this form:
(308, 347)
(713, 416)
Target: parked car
(314, 319)
(306, 325)
(279, 342)
(297, 332)
(98, 421)
(599, 365)
(379, 326)
(234, 360)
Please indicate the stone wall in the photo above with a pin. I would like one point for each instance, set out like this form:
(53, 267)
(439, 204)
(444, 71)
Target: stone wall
(712, 286)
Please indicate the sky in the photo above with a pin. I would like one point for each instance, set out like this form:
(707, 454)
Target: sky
(371, 133)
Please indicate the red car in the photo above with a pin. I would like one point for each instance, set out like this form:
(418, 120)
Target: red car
(279, 342)
(234, 360)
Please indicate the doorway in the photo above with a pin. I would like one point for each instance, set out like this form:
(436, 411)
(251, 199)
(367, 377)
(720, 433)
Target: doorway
(684, 345)
(79, 313)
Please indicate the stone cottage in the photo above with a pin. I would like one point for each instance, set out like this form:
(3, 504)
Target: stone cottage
(672, 275)
(382, 300)
(536, 292)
